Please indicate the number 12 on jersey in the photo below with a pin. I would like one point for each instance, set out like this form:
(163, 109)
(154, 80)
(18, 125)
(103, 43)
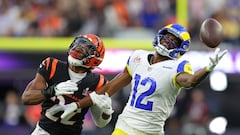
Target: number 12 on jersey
(137, 101)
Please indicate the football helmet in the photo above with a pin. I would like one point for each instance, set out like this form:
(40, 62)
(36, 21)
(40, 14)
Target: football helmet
(180, 33)
(86, 51)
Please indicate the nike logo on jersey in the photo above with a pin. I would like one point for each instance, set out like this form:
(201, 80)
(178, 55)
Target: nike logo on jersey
(167, 67)
(149, 68)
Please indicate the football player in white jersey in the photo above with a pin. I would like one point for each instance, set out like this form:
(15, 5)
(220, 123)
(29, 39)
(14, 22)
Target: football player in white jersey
(156, 80)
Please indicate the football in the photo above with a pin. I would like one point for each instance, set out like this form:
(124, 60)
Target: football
(211, 32)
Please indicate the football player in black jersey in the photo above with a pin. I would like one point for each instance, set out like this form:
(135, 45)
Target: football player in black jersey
(58, 83)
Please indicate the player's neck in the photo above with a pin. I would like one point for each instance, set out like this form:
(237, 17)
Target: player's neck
(157, 58)
(78, 69)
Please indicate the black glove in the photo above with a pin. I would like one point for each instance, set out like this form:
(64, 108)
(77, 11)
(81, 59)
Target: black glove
(49, 91)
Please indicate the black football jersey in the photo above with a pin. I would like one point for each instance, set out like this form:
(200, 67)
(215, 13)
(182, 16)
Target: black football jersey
(55, 71)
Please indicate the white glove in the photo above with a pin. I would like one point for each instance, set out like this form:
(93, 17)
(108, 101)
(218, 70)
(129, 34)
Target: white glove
(67, 87)
(68, 109)
(103, 101)
(215, 59)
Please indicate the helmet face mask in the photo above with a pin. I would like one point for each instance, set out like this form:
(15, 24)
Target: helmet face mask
(172, 48)
(169, 41)
(82, 49)
(86, 51)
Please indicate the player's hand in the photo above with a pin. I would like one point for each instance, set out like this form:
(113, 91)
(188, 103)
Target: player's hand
(215, 59)
(67, 109)
(103, 101)
(67, 87)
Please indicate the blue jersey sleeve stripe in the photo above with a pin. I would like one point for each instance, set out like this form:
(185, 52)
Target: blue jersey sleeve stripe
(181, 66)
(128, 60)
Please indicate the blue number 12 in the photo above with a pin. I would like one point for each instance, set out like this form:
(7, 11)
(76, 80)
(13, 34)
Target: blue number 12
(139, 99)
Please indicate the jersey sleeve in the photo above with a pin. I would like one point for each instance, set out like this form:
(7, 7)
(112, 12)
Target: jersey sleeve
(183, 67)
(48, 68)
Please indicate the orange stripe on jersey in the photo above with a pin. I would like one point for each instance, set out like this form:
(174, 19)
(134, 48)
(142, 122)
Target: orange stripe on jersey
(47, 62)
(73, 97)
(100, 82)
(53, 70)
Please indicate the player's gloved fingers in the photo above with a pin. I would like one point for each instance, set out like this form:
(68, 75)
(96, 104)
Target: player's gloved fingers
(108, 112)
(103, 101)
(104, 98)
(55, 109)
(223, 53)
(216, 51)
(66, 92)
(67, 84)
(96, 98)
(71, 88)
(71, 82)
(58, 92)
(106, 104)
(67, 87)
(107, 94)
(212, 61)
(108, 109)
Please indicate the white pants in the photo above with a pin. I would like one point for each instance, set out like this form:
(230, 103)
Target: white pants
(39, 131)
(127, 130)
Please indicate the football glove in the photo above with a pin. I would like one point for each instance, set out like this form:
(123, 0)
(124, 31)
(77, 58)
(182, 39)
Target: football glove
(67, 87)
(103, 101)
(215, 59)
(67, 109)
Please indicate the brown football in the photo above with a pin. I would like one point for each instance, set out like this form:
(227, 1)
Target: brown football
(211, 32)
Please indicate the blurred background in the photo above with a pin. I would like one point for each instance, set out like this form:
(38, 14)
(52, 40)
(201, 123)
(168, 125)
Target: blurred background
(31, 30)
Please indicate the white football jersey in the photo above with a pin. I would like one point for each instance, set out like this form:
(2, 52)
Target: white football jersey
(153, 91)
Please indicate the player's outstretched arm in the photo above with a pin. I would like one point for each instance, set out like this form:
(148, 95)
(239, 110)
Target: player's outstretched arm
(117, 83)
(187, 80)
(37, 90)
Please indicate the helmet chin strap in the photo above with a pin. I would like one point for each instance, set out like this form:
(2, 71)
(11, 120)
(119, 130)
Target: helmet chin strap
(162, 50)
(76, 62)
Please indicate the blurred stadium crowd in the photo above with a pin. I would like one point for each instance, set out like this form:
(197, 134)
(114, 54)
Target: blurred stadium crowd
(109, 18)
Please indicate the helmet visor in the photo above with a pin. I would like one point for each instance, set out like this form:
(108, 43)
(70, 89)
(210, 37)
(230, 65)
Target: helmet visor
(82, 48)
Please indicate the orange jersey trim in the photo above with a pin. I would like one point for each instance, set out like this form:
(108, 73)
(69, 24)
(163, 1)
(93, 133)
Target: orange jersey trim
(53, 70)
(73, 97)
(47, 63)
(100, 82)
